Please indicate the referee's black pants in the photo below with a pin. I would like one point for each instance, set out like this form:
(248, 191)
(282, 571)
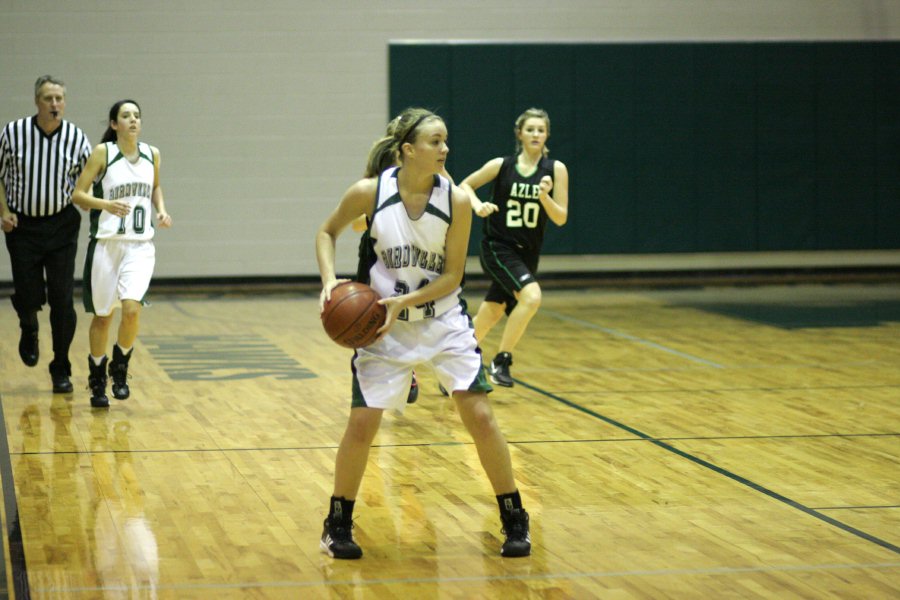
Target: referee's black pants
(46, 244)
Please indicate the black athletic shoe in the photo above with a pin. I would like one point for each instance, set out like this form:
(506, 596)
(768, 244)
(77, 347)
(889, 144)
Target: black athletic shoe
(59, 375)
(118, 370)
(499, 370)
(413, 391)
(97, 383)
(337, 540)
(518, 540)
(29, 349)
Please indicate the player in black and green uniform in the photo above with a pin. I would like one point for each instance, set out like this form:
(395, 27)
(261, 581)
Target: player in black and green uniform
(528, 189)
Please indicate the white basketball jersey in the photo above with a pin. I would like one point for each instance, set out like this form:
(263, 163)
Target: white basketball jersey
(403, 254)
(132, 182)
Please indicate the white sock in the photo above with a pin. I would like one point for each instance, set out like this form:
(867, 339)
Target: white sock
(97, 359)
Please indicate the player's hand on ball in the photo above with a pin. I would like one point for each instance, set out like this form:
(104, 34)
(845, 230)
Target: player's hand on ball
(394, 305)
(325, 296)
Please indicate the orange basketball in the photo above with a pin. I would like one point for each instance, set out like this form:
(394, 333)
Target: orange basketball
(353, 315)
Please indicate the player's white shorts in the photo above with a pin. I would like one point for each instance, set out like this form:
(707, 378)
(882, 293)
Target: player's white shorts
(116, 270)
(382, 372)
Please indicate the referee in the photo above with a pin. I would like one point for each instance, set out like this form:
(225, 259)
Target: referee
(40, 159)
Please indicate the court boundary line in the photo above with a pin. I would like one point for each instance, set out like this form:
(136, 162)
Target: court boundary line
(717, 469)
(860, 507)
(18, 566)
(460, 443)
(475, 579)
(778, 388)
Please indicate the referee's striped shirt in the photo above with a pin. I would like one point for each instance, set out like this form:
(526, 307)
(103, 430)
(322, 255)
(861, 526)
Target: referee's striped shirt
(39, 170)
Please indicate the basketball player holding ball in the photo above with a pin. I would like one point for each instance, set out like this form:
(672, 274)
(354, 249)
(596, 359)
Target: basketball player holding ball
(416, 252)
(361, 224)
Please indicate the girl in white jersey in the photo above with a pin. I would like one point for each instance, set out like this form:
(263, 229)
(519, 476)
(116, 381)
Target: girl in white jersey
(120, 186)
(417, 237)
(360, 225)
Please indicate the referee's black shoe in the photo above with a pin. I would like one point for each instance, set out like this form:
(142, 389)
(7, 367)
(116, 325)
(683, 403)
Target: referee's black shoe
(29, 349)
(59, 374)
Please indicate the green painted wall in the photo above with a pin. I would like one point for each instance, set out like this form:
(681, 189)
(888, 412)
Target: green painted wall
(684, 147)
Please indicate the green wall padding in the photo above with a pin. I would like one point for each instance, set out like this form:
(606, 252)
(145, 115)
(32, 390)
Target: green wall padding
(684, 147)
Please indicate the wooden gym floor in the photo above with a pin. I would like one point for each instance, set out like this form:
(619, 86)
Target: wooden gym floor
(686, 443)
